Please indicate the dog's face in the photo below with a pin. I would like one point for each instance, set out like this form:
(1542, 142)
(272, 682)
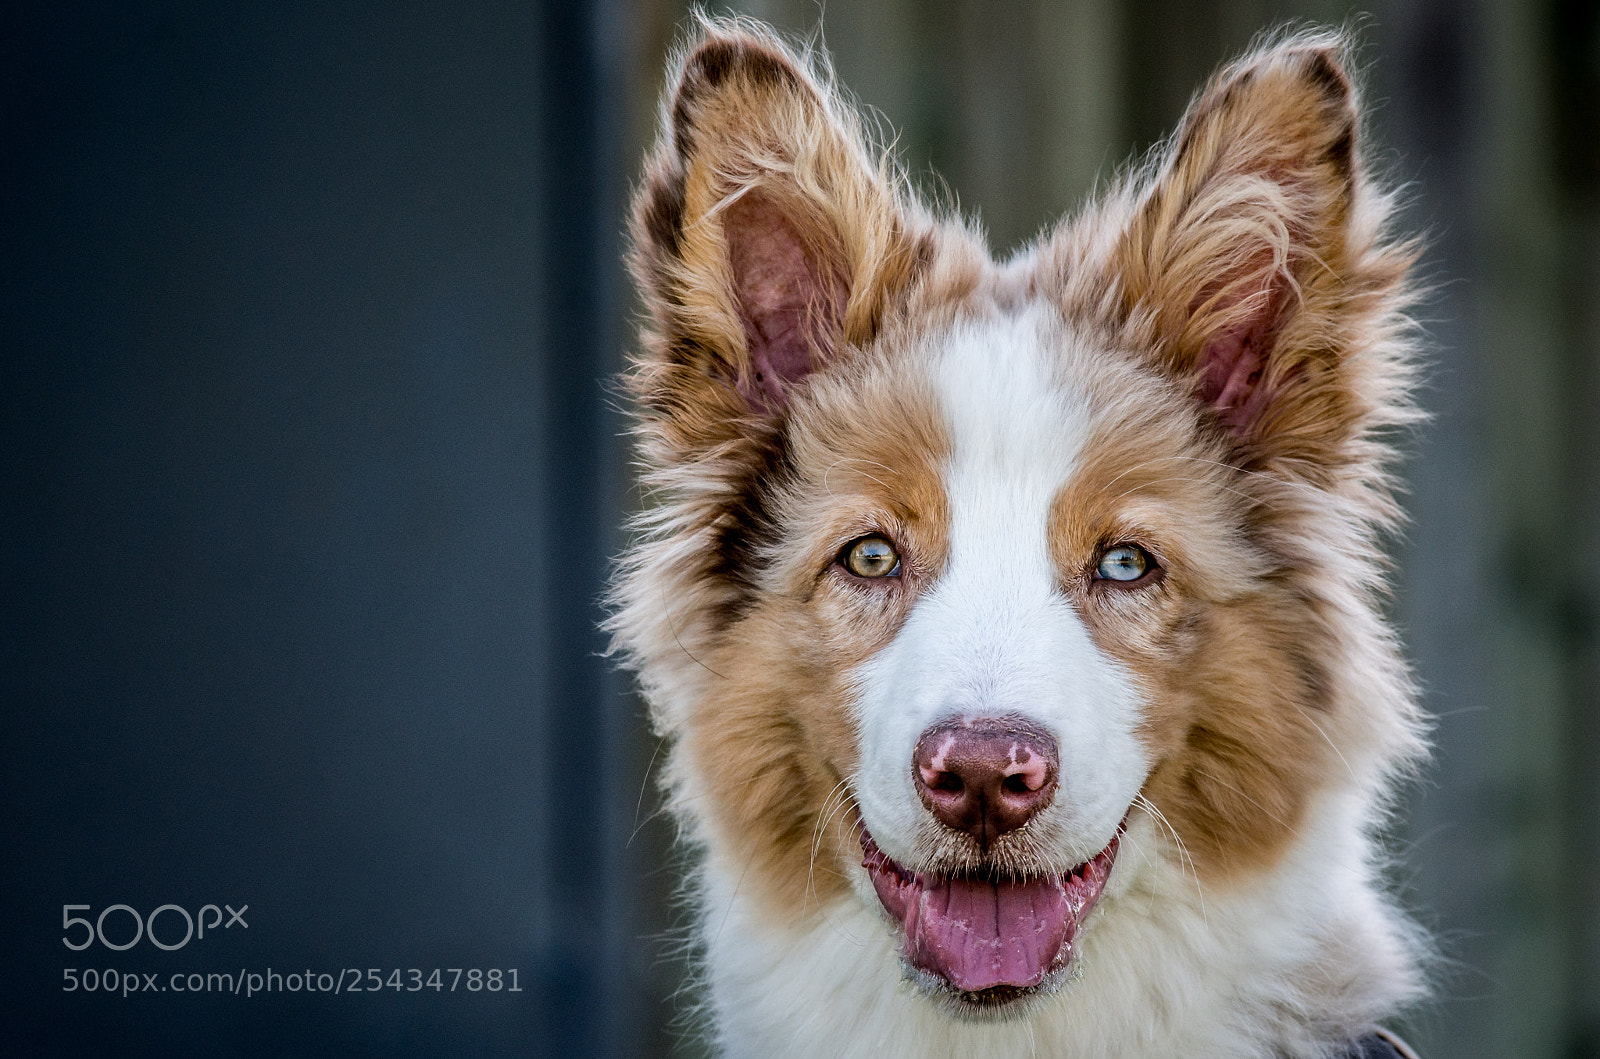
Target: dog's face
(967, 577)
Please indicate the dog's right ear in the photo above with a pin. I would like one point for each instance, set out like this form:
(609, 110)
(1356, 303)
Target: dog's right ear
(767, 236)
(1259, 261)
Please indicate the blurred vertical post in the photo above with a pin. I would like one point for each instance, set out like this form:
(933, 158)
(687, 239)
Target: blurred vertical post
(1574, 36)
(1523, 767)
(588, 1009)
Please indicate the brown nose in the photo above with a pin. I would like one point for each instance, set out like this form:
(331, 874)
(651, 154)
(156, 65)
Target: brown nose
(985, 776)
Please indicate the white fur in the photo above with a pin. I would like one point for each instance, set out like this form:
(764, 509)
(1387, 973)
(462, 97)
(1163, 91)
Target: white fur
(995, 635)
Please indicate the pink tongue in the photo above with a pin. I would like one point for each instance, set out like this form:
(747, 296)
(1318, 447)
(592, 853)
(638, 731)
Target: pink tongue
(978, 935)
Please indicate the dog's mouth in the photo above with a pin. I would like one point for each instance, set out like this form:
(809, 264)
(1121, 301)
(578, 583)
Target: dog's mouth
(989, 939)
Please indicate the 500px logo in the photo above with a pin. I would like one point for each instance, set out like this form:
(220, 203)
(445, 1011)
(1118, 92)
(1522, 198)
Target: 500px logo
(146, 926)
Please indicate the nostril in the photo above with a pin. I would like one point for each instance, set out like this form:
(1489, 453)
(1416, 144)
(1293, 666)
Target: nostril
(947, 781)
(1016, 783)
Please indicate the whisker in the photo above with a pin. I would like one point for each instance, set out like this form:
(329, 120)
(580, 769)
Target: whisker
(1312, 721)
(672, 625)
(733, 897)
(644, 785)
(1142, 464)
(1275, 817)
(1183, 850)
(855, 459)
(1180, 478)
(823, 816)
(1274, 480)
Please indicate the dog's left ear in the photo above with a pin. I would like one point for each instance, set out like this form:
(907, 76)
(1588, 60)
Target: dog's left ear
(1256, 263)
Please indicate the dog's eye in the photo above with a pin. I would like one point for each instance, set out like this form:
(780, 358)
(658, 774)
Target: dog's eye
(1125, 562)
(871, 557)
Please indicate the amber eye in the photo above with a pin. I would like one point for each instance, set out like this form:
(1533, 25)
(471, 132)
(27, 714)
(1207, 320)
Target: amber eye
(1125, 562)
(871, 557)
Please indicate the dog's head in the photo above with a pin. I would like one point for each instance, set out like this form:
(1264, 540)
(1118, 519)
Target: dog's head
(962, 576)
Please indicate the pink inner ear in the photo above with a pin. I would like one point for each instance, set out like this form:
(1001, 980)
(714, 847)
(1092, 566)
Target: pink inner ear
(1233, 364)
(791, 310)
(1233, 369)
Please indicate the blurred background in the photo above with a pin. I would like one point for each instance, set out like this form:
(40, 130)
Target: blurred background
(312, 474)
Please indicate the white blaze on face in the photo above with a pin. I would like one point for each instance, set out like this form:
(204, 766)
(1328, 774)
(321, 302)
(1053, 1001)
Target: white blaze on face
(995, 634)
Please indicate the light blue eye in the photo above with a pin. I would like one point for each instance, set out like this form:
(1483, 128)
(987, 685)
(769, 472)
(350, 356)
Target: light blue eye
(1125, 562)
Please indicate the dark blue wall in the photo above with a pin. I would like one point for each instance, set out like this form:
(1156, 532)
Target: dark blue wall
(308, 494)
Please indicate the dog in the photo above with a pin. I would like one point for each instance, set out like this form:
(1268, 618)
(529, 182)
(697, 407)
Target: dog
(1015, 628)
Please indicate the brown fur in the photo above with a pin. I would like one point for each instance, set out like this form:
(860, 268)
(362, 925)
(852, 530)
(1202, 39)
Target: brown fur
(774, 740)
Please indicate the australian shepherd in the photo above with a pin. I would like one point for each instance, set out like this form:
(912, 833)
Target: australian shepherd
(1016, 627)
